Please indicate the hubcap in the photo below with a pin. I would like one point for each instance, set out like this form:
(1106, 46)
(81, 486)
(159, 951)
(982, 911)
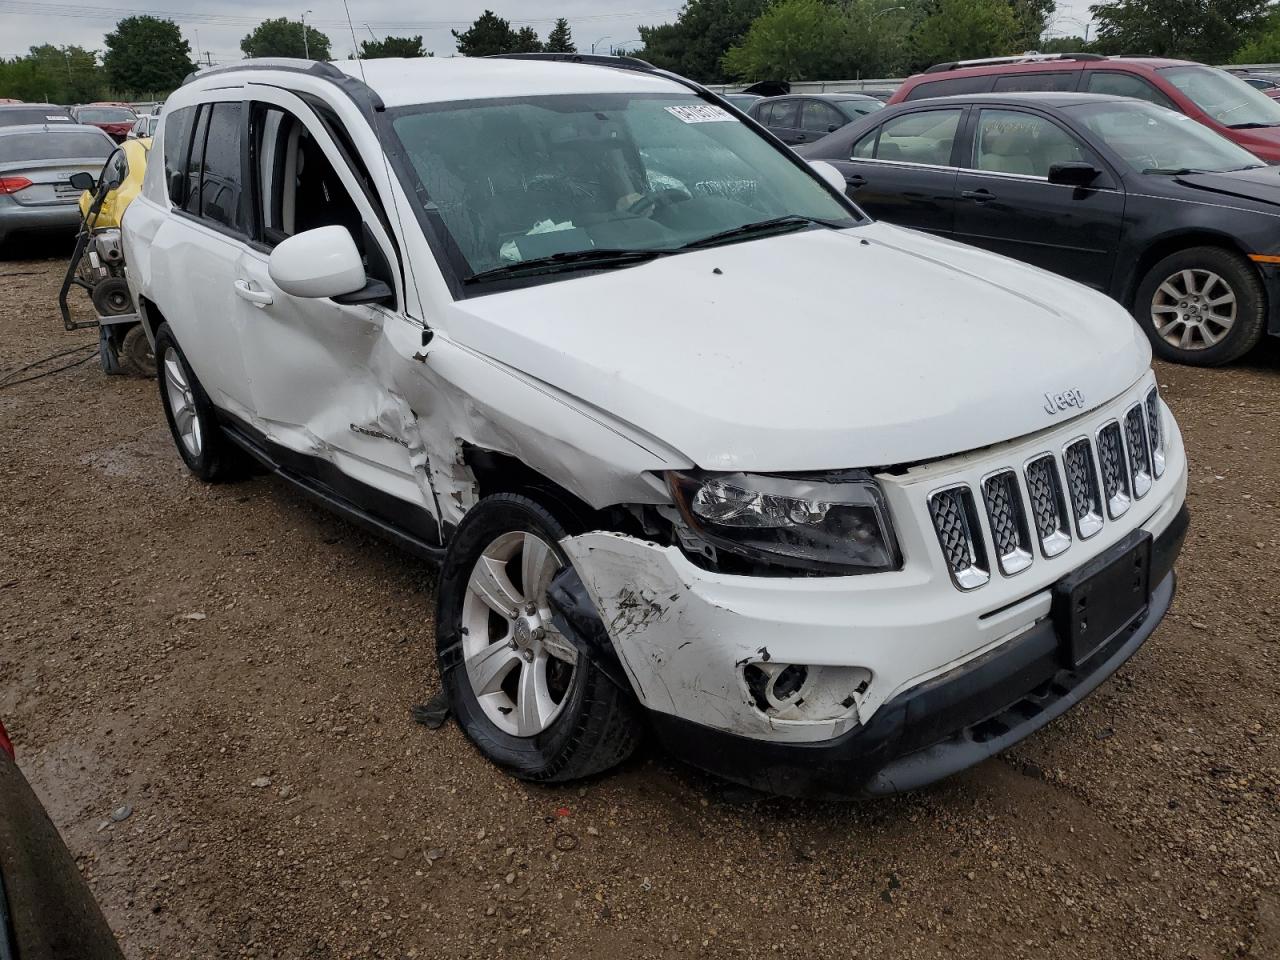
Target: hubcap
(1193, 309)
(181, 403)
(519, 665)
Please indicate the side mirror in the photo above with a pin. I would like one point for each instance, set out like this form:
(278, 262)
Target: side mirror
(833, 177)
(82, 181)
(318, 263)
(832, 127)
(1075, 174)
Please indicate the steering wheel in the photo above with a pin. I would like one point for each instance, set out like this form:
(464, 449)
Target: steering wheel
(649, 202)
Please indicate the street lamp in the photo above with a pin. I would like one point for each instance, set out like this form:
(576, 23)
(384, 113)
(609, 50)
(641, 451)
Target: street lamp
(306, 47)
(600, 41)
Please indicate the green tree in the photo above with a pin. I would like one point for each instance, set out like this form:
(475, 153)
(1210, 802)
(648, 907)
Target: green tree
(1207, 30)
(1265, 46)
(146, 55)
(964, 30)
(526, 41)
(56, 74)
(1065, 45)
(282, 37)
(560, 39)
(488, 35)
(703, 32)
(792, 40)
(1033, 18)
(392, 47)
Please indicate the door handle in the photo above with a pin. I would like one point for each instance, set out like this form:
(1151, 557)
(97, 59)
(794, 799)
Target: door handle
(978, 196)
(259, 298)
(856, 180)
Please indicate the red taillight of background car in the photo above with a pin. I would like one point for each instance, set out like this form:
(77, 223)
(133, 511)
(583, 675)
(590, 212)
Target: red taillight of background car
(13, 184)
(6, 745)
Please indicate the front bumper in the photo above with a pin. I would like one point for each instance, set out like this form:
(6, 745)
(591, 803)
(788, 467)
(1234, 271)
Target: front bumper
(940, 727)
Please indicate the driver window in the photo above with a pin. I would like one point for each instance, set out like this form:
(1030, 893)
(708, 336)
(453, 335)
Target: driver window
(818, 117)
(1010, 141)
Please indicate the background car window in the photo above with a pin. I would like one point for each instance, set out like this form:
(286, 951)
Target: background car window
(1011, 82)
(924, 137)
(781, 113)
(1125, 85)
(1227, 99)
(1152, 139)
(1010, 141)
(951, 87)
(177, 132)
(819, 117)
(195, 164)
(220, 179)
(71, 144)
(865, 148)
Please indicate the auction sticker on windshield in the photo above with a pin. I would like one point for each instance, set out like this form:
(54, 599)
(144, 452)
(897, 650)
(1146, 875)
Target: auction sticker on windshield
(700, 113)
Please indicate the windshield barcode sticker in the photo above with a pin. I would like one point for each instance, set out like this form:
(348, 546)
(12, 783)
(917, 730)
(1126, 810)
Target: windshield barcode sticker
(700, 113)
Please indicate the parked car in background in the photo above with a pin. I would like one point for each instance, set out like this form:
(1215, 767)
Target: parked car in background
(880, 93)
(1219, 100)
(145, 127)
(804, 118)
(837, 539)
(46, 909)
(1268, 83)
(12, 114)
(742, 101)
(115, 120)
(1173, 221)
(36, 162)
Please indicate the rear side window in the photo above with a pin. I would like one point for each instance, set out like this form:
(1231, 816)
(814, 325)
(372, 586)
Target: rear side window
(177, 133)
(1024, 82)
(73, 144)
(925, 137)
(1126, 85)
(951, 87)
(195, 165)
(220, 180)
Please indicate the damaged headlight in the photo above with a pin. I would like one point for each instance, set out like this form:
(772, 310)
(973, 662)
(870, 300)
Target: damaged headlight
(831, 522)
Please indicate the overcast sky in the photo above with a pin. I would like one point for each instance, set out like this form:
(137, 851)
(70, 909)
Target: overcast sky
(219, 25)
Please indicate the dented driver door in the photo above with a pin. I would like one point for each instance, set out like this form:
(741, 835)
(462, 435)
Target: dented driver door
(312, 362)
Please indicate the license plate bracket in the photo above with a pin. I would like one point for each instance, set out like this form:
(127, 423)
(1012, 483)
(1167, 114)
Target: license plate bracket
(1101, 599)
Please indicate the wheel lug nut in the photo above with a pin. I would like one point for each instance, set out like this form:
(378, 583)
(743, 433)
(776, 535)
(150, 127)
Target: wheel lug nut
(528, 656)
(531, 608)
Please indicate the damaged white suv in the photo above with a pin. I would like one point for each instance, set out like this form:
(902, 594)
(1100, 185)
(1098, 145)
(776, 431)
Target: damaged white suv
(829, 506)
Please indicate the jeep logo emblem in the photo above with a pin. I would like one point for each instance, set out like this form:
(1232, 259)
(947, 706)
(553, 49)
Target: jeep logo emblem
(1055, 402)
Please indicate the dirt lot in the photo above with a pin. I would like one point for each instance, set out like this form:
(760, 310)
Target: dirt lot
(237, 667)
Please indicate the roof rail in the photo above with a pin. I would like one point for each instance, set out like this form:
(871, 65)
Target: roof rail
(1030, 56)
(598, 59)
(316, 68)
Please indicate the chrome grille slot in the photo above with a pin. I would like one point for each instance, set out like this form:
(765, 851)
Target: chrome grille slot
(955, 520)
(1048, 505)
(1115, 472)
(1008, 522)
(1082, 482)
(1135, 441)
(1155, 424)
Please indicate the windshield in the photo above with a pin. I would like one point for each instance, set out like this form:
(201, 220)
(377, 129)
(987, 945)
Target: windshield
(1227, 99)
(106, 115)
(1152, 139)
(67, 144)
(506, 181)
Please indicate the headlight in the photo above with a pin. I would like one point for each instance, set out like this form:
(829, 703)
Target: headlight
(829, 522)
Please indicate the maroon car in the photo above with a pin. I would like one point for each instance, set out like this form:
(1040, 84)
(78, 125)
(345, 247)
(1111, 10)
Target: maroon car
(1221, 101)
(115, 119)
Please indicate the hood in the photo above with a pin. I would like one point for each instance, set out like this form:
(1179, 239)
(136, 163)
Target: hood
(1261, 184)
(817, 350)
(1263, 142)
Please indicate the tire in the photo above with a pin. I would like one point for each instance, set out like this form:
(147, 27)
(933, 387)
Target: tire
(585, 724)
(1175, 306)
(135, 352)
(212, 457)
(111, 297)
(108, 358)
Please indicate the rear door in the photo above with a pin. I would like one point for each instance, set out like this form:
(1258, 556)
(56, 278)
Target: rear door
(903, 171)
(1007, 204)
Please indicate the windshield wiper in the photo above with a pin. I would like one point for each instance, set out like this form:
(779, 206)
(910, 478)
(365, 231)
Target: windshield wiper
(1176, 171)
(1251, 125)
(591, 258)
(758, 229)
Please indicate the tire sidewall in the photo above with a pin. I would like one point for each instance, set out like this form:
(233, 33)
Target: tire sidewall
(204, 465)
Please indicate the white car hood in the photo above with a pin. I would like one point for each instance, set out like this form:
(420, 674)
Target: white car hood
(818, 350)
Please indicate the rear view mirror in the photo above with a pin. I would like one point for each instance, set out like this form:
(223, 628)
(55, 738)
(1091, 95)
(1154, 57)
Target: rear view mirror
(82, 181)
(318, 263)
(1075, 174)
(833, 177)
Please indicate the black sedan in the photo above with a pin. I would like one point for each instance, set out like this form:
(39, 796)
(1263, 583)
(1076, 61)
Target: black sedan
(798, 118)
(1159, 212)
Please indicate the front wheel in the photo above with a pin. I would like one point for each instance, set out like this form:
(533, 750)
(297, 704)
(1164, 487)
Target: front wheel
(1203, 306)
(522, 692)
(190, 414)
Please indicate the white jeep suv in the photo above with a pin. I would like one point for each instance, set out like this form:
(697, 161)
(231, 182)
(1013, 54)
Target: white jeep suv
(829, 506)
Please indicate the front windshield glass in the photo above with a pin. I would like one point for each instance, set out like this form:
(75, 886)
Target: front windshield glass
(1227, 99)
(1153, 139)
(513, 180)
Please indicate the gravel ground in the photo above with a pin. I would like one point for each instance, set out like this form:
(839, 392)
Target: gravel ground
(237, 666)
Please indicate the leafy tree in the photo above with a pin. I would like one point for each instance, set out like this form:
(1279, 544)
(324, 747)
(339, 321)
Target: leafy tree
(489, 34)
(146, 55)
(1033, 18)
(1207, 30)
(1065, 45)
(526, 41)
(702, 34)
(392, 47)
(56, 74)
(792, 40)
(964, 30)
(1265, 46)
(282, 37)
(560, 39)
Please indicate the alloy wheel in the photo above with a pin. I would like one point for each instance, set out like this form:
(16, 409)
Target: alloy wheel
(520, 667)
(1193, 309)
(182, 403)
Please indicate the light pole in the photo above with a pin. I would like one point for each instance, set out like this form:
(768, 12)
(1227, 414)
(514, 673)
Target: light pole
(600, 41)
(306, 47)
(619, 49)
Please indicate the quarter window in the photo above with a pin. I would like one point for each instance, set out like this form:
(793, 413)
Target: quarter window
(924, 137)
(177, 133)
(1010, 141)
(1126, 85)
(951, 87)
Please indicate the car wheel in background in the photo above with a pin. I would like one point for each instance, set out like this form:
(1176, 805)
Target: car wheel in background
(204, 448)
(522, 692)
(1204, 306)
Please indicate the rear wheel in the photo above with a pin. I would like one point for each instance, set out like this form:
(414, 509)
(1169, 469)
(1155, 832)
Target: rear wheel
(192, 421)
(1203, 306)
